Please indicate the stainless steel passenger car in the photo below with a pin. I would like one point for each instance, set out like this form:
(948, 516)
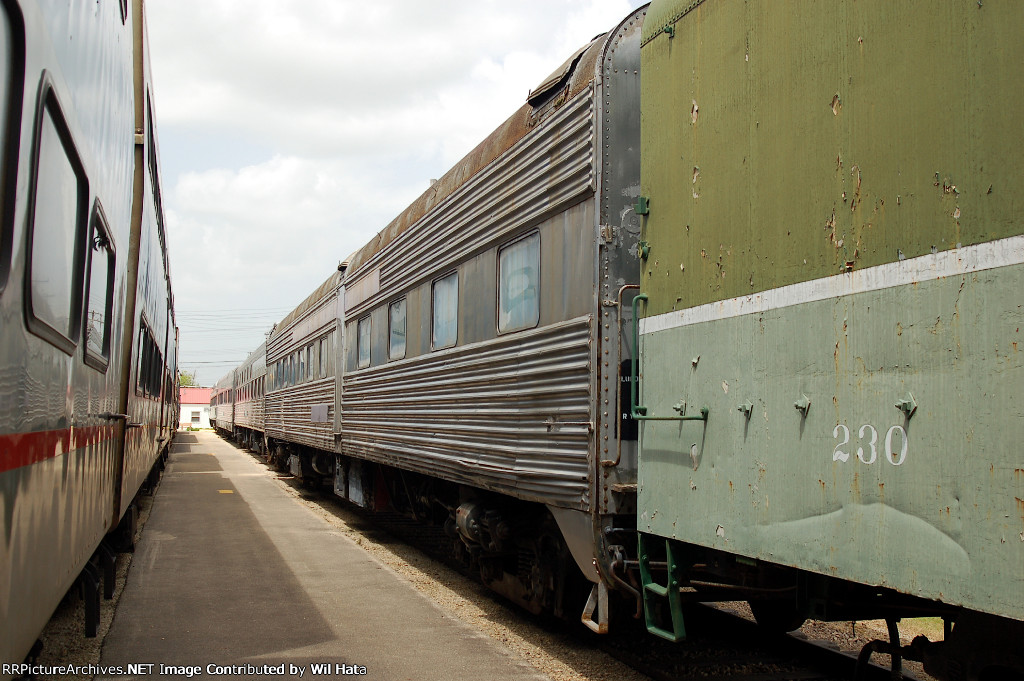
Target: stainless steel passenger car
(222, 404)
(485, 339)
(250, 386)
(88, 373)
(300, 401)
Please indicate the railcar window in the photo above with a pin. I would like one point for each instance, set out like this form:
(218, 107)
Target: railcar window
(154, 172)
(396, 329)
(363, 342)
(330, 354)
(150, 368)
(58, 231)
(518, 285)
(99, 294)
(12, 75)
(445, 316)
(144, 350)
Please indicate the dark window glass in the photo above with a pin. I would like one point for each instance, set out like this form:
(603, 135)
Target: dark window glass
(56, 257)
(12, 73)
(99, 294)
(149, 374)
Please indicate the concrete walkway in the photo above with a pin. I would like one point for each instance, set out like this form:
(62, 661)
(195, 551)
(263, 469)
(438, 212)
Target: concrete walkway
(235, 577)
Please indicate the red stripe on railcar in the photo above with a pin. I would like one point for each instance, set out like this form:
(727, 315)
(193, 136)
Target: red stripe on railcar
(24, 449)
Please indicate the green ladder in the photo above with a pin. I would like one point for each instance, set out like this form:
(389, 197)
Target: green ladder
(654, 592)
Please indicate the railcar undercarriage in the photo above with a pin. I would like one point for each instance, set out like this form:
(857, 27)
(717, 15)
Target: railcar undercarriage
(974, 646)
(250, 439)
(514, 546)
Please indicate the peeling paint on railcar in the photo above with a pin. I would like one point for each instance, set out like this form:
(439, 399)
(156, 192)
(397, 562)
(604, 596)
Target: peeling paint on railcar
(810, 186)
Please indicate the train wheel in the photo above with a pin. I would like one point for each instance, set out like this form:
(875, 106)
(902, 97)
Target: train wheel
(550, 570)
(279, 458)
(777, 616)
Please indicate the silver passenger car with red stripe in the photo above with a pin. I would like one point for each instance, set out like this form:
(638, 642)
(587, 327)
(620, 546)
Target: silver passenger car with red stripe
(88, 343)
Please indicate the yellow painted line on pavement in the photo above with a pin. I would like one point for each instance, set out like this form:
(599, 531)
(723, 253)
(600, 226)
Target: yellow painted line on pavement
(226, 491)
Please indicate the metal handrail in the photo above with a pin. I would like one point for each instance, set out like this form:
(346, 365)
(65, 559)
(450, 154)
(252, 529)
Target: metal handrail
(638, 411)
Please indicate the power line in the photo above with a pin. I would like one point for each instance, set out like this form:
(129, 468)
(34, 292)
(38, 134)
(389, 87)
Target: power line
(277, 312)
(225, 362)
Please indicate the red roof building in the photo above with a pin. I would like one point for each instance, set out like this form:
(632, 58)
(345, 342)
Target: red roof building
(195, 407)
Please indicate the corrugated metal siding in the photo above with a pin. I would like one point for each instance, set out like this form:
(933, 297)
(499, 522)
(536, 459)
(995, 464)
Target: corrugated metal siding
(289, 414)
(526, 433)
(542, 173)
(249, 411)
(288, 410)
(249, 414)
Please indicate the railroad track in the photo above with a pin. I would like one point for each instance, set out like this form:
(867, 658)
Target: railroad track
(727, 646)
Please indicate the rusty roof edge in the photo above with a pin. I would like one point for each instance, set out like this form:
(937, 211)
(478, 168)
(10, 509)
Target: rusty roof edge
(515, 128)
(560, 76)
(321, 292)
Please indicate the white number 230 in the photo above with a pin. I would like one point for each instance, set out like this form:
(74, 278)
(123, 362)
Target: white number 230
(867, 452)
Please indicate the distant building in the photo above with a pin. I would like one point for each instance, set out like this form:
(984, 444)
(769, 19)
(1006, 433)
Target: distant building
(195, 407)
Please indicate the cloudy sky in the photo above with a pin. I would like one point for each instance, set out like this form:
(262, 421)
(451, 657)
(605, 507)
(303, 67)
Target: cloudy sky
(292, 131)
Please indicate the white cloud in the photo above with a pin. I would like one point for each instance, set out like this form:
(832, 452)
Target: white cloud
(291, 132)
(260, 229)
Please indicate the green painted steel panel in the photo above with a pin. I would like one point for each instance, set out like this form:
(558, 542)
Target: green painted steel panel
(947, 522)
(786, 142)
(835, 214)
